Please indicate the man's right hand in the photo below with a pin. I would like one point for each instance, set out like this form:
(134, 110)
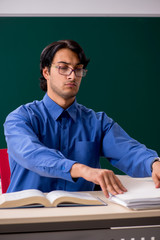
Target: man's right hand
(107, 180)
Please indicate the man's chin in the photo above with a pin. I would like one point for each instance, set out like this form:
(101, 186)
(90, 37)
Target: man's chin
(70, 94)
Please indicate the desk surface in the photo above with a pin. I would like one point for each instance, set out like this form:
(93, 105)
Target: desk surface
(25, 220)
(68, 214)
(69, 219)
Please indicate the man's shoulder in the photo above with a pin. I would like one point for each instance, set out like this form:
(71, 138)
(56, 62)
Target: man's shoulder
(84, 109)
(89, 111)
(26, 109)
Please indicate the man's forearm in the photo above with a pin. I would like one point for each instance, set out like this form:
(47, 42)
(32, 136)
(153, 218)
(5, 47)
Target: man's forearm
(78, 170)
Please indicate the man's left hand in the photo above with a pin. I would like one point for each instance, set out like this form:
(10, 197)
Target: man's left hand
(156, 173)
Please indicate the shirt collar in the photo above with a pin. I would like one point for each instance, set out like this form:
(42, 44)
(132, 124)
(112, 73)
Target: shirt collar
(55, 110)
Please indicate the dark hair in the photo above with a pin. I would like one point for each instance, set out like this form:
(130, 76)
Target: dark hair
(49, 52)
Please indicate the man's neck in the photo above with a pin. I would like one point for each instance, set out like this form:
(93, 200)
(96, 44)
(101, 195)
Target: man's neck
(64, 103)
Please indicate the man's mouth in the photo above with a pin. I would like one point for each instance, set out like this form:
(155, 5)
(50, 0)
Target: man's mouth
(71, 84)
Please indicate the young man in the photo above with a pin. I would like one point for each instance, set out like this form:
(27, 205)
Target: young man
(56, 143)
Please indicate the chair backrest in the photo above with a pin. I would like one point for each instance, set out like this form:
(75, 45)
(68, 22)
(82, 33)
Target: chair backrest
(4, 170)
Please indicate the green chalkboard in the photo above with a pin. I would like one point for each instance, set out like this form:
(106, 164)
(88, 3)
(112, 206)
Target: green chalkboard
(123, 75)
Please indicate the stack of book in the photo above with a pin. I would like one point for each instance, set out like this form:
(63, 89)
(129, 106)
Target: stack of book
(141, 194)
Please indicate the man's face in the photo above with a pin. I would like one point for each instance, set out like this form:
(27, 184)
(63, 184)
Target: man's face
(62, 88)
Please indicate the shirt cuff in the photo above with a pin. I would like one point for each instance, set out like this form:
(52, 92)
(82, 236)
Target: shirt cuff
(149, 163)
(157, 159)
(65, 169)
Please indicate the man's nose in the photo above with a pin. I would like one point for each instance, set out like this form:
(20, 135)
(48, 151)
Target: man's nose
(72, 75)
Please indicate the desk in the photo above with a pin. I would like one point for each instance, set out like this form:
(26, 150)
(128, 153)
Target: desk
(112, 222)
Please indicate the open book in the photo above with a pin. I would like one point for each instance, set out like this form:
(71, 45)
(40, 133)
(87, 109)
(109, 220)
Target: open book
(52, 199)
(141, 193)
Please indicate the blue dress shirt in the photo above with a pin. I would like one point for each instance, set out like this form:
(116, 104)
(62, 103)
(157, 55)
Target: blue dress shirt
(44, 141)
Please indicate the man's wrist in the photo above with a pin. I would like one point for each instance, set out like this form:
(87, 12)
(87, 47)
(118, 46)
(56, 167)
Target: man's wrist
(76, 170)
(157, 159)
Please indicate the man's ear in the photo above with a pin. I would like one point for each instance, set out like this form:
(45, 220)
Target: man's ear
(46, 73)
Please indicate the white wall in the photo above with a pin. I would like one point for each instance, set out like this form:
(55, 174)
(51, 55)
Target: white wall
(79, 7)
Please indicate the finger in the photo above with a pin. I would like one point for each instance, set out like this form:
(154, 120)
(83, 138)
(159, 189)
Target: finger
(104, 188)
(120, 185)
(114, 186)
(111, 184)
(156, 180)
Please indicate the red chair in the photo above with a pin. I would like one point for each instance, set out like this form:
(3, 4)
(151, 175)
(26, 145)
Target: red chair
(4, 170)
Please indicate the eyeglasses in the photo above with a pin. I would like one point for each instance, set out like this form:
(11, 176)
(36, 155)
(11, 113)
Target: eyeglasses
(66, 71)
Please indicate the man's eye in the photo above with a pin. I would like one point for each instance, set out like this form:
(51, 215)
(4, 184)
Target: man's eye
(63, 68)
(79, 69)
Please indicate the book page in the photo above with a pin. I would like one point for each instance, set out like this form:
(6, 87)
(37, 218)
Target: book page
(22, 195)
(23, 198)
(52, 196)
(139, 189)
